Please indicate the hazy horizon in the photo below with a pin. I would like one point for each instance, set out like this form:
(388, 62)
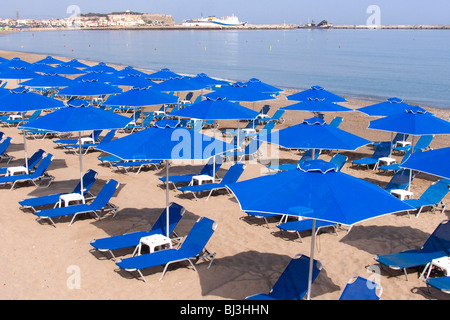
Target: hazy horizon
(251, 11)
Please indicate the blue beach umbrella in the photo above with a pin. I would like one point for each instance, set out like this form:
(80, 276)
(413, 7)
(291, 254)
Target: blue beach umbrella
(315, 133)
(129, 71)
(258, 85)
(18, 73)
(316, 105)
(50, 80)
(435, 162)
(3, 60)
(50, 60)
(101, 66)
(87, 88)
(100, 76)
(167, 123)
(16, 63)
(133, 80)
(239, 92)
(74, 63)
(329, 194)
(316, 92)
(208, 81)
(386, 108)
(41, 68)
(179, 84)
(140, 97)
(216, 109)
(166, 144)
(78, 117)
(66, 70)
(163, 74)
(22, 100)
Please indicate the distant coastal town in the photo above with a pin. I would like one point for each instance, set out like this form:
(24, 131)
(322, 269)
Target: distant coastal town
(147, 21)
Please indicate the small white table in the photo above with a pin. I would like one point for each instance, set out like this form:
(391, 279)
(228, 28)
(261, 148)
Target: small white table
(10, 171)
(249, 130)
(402, 194)
(158, 112)
(262, 116)
(442, 263)
(402, 143)
(201, 179)
(185, 102)
(87, 140)
(153, 241)
(14, 117)
(69, 197)
(386, 160)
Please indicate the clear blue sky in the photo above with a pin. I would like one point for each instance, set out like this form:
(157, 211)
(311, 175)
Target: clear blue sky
(252, 11)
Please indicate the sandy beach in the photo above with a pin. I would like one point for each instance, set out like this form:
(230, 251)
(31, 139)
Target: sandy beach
(39, 261)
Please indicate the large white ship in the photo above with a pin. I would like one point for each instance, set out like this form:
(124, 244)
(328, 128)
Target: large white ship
(213, 21)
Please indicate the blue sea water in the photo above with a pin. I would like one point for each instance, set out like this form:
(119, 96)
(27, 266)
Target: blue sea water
(410, 64)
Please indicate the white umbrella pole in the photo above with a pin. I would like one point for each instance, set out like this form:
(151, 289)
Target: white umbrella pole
(311, 259)
(167, 198)
(81, 163)
(410, 171)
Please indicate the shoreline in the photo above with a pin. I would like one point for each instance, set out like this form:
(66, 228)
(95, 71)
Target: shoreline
(362, 98)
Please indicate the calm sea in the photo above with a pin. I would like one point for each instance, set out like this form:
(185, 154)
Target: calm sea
(410, 64)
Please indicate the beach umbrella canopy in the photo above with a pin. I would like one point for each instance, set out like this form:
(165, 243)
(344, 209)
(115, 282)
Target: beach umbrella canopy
(415, 121)
(258, 85)
(314, 133)
(66, 69)
(316, 105)
(178, 84)
(18, 73)
(127, 71)
(51, 80)
(435, 162)
(386, 108)
(74, 63)
(208, 81)
(163, 74)
(78, 116)
(216, 109)
(3, 60)
(100, 76)
(133, 80)
(316, 92)
(88, 88)
(22, 100)
(166, 144)
(16, 63)
(316, 190)
(239, 92)
(41, 68)
(101, 66)
(50, 60)
(140, 97)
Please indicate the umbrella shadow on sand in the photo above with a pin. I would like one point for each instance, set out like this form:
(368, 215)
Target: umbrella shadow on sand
(251, 272)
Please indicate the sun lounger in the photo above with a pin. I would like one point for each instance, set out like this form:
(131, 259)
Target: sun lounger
(292, 166)
(298, 226)
(231, 176)
(437, 246)
(263, 215)
(336, 122)
(109, 159)
(20, 121)
(4, 145)
(126, 165)
(63, 142)
(34, 203)
(132, 239)
(395, 166)
(209, 169)
(432, 197)
(193, 247)
(440, 283)
(382, 150)
(399, 181)
(32, 162)
(100, 203)
(422, 144)
(90, 146)
(293, 282)
(339, 160)
(358, 288)
(37, 177)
